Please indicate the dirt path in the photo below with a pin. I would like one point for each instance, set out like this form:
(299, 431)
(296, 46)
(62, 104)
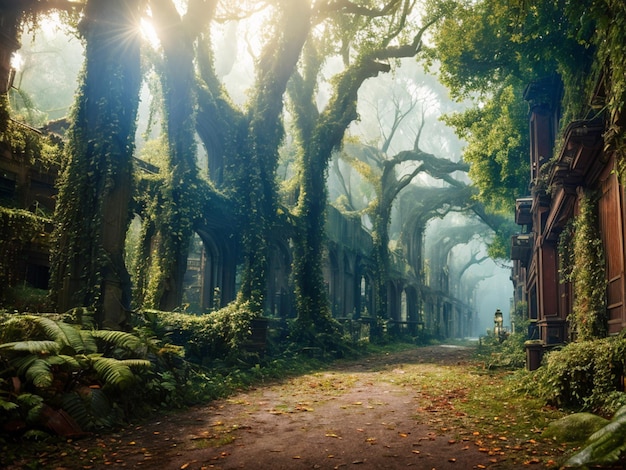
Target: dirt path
(352, 416)
(355, 415)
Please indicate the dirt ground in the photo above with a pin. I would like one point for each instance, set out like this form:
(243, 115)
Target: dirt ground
(352, 415)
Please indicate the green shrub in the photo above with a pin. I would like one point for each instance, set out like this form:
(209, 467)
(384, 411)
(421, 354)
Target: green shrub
(509, 354)
(219, 335)
(585, 375)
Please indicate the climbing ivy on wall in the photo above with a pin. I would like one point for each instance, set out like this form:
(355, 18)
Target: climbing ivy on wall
(582, 263)
(25, 145)
(19, 229)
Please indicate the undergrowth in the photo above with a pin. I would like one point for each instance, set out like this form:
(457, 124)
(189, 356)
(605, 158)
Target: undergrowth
(58, 367)
(581, 376)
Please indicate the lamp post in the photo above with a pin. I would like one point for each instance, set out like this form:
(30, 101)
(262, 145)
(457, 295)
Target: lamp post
(497, 323)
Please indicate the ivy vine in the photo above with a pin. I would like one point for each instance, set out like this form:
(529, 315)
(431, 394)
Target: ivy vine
(19, 229)
(581, 258)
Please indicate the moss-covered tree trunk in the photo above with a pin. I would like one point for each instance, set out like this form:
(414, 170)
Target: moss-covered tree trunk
(174, 217)
(94, 192)
(256, 182)
(380, 242)
(314, 315)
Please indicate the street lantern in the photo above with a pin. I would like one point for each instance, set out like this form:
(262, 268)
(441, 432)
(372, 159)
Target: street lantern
(497, 323)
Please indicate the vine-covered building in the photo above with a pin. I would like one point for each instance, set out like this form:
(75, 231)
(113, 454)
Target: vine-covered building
(569, 257)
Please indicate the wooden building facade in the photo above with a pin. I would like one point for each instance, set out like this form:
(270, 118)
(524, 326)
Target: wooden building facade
(565, 169)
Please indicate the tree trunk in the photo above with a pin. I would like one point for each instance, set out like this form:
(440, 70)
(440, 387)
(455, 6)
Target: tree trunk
(175, 216)
(92, 210)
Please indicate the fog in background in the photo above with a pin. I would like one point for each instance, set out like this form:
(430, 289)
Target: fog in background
(51, 59)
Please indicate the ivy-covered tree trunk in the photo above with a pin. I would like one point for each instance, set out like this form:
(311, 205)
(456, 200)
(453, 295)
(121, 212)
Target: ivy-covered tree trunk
(319, 138)
(171, 221)
(92, 210)
(380, 241)
(314, 315)
(256, 185)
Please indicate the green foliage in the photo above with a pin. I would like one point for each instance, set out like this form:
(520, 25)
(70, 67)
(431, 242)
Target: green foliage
(19, 229)
(508, 354)
(497, 147)
(219, 335)
(584, 375)
(59, 363)
(27, 146)
(605, 446)
(488, 51)
(583, 265)
(326, 337)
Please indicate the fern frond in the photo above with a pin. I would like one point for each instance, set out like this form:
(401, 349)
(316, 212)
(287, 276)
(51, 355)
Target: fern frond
(21, 364)
(29, 400)
(76, 407)
(101, 409)
(64, 360)
(119, 339)
(8, 405)
(67, 335)
(32, 403)
(34, 347)
(605, 446)
(140, 363)
(39, 373)
(113, 372)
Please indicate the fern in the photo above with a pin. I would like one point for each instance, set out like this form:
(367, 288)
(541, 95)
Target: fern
(35, 347)
(101, 408)
(32, 403)
(115, 372)
(39, 373)
(75, 406)
(8, 405)
(119, 339)
(29, 400)
(90, 410)
(64, 360)
(67, 335)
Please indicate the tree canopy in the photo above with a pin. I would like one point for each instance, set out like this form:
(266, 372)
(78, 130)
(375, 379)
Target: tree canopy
(489, 51)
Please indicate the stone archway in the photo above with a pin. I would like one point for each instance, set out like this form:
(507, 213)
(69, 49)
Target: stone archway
(211, 269)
